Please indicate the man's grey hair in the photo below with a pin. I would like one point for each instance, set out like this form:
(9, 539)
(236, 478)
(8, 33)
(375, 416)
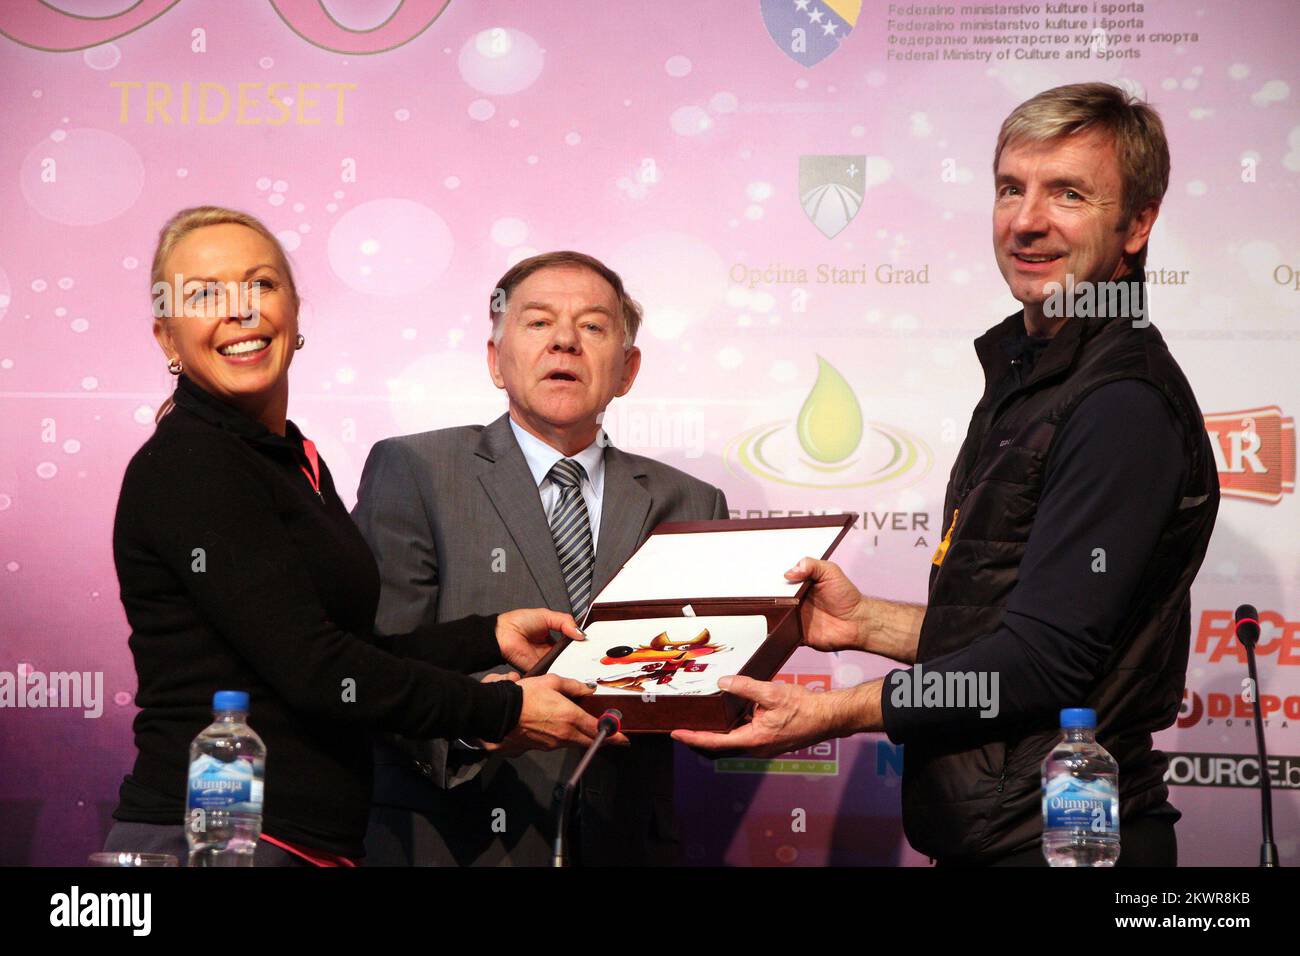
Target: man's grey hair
(500, 302)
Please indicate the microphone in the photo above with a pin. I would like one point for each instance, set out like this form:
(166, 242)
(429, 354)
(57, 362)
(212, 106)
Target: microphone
(607, 725)
(1246, 625)
(610, 721)
(1246, 622)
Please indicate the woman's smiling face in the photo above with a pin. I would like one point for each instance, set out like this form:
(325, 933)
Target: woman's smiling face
(235, 317)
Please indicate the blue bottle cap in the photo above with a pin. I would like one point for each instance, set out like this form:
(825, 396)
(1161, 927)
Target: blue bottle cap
(1078, 717)
(230, 700)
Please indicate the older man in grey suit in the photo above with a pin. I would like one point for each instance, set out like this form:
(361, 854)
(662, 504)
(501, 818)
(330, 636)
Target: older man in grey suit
(534, 509)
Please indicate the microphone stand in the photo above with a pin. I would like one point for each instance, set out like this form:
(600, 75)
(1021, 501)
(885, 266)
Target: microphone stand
(609, 724)
(1246, 629)
(1267, 849)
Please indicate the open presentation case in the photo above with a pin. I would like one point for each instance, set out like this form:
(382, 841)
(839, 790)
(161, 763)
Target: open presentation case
(697, 601)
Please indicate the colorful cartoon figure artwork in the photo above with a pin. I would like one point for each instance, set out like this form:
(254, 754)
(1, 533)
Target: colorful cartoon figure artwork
(660, 660)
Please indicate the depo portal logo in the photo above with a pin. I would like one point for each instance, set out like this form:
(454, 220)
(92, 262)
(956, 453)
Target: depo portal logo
(829, 445)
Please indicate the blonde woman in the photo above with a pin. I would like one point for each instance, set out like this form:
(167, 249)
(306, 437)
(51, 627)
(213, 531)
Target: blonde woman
(240, 569)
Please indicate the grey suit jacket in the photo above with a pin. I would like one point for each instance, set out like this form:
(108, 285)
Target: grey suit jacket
(457, 526)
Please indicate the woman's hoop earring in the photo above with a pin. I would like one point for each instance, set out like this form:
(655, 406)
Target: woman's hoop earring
(300, 341)
(175, 367)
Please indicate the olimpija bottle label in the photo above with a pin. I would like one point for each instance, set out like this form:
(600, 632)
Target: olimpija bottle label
(1074, 804)
(232, 786)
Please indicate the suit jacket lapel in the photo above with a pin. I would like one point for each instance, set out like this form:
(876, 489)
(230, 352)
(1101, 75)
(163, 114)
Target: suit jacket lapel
(623, 511)
(510, 487)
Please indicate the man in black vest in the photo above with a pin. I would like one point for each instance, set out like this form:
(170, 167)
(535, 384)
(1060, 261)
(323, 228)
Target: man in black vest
(1078, 513)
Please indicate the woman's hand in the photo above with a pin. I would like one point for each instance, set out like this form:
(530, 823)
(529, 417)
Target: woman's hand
(524, 636)
(549, 719)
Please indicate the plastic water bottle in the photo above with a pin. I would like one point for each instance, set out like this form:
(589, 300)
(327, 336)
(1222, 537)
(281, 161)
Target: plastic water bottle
(1080, 796)
(223, 813)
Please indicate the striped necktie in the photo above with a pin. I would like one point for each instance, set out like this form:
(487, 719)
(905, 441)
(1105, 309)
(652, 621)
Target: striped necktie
(571, 531)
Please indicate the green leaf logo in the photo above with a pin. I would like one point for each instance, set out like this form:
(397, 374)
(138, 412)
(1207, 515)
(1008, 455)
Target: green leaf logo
(829, 426)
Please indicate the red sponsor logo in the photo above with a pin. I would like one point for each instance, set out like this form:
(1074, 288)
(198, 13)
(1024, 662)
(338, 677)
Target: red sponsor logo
(1254, 451)
(817, 683)
(1219, 706)
(1217, 637)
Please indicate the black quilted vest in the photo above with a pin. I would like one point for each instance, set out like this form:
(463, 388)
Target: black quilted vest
(974, 800)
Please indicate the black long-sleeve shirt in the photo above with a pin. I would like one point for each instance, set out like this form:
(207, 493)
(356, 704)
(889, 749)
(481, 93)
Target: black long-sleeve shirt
(236, 574)
(1111, 484)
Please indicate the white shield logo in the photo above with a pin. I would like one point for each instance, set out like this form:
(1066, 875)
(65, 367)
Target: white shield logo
(831, 189)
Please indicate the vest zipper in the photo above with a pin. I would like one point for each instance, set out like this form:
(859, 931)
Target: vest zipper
(1006, 760)
(991, 417)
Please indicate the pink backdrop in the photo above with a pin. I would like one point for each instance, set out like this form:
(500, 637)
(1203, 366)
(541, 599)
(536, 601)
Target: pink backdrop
(407, 160)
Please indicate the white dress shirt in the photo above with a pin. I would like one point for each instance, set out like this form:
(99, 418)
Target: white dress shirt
(541, 458)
